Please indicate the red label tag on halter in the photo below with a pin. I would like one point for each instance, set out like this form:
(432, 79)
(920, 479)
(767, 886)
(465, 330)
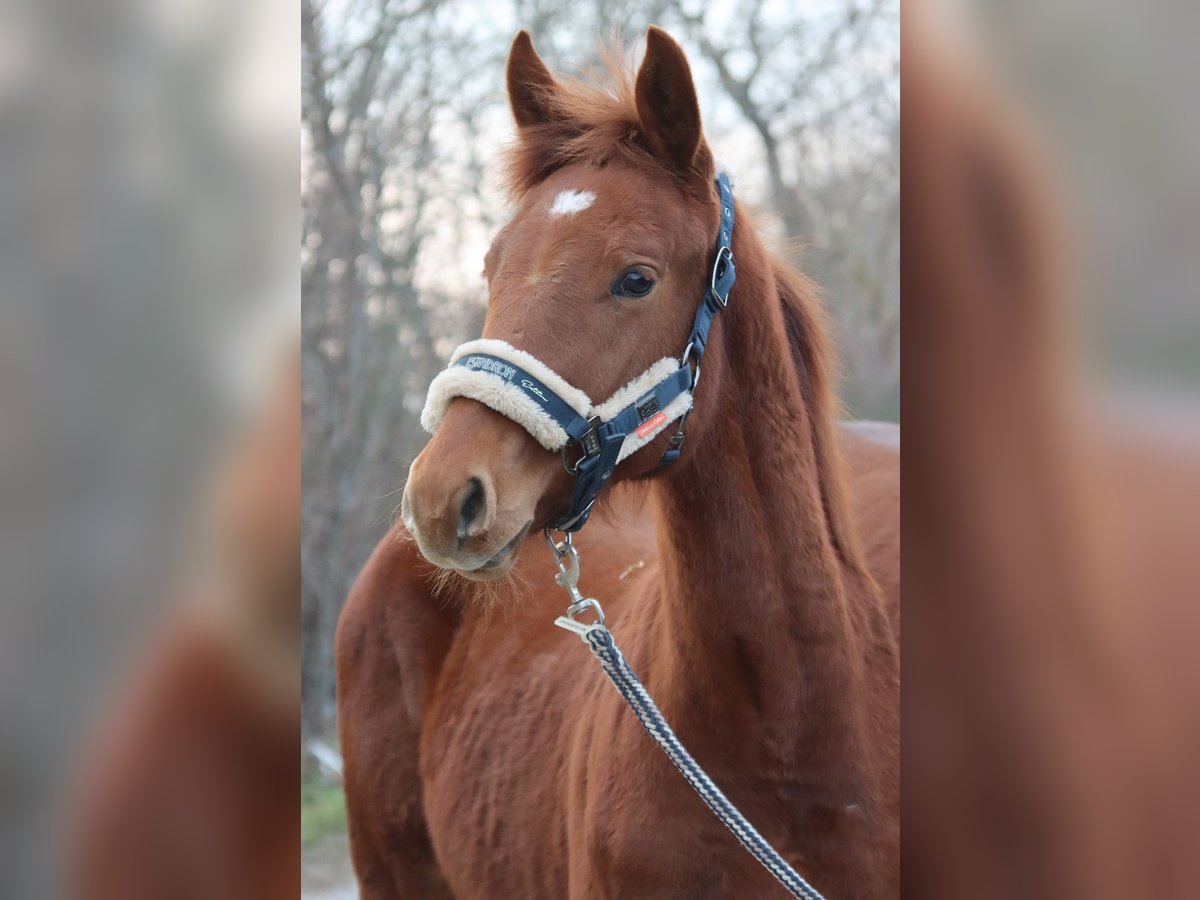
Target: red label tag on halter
(651, 423)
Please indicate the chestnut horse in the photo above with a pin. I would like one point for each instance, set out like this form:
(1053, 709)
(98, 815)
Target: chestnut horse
(486, 754)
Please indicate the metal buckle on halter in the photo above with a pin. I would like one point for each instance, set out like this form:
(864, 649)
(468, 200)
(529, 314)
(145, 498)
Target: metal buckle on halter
(564, 525)
(590, 443)
(676, 441)
(683, 361)
(722, 262)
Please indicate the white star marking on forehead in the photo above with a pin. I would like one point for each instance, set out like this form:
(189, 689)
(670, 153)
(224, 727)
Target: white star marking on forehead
(570, 202)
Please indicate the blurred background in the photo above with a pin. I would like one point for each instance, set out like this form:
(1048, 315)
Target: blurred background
(404, 118)
(148, 305)
(1051, 472)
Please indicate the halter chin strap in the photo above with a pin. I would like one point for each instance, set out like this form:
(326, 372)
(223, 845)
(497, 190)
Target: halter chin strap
(592, 438)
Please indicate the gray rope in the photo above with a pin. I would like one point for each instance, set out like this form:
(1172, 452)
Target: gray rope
(602, 645)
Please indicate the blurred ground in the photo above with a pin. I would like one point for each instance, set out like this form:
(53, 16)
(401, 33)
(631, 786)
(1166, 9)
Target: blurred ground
(326, 870)
(326, 873)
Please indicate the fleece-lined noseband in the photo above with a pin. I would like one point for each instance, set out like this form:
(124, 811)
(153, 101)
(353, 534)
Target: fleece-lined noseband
(561, 417)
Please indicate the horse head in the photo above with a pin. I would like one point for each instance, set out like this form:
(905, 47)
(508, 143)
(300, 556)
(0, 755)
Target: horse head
(596, 278)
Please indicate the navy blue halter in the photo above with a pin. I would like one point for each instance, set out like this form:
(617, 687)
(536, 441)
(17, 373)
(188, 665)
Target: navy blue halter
(600, 442)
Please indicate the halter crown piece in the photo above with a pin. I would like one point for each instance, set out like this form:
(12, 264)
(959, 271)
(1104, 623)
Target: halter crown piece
(592, 438)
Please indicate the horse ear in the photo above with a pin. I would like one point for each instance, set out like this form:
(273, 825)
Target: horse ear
(530, 84)
(666, 101)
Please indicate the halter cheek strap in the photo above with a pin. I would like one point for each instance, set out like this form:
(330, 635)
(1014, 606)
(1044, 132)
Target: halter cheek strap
(562, 418)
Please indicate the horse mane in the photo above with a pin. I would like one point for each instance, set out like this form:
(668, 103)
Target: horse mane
(596, 123)
(593, 123)
(808, 333)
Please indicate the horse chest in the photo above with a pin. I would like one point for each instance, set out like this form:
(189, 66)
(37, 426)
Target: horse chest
(544, 786)
(490, 766)
(640, 831)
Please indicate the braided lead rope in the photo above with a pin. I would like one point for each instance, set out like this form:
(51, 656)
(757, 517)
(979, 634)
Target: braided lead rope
(605, 649)
(600, 641)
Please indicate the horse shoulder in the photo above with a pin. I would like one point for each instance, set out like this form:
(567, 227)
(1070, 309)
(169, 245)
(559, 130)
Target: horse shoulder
(389, 637)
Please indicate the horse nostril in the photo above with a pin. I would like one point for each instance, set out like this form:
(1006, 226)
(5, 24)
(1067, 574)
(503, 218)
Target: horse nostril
(471, 509)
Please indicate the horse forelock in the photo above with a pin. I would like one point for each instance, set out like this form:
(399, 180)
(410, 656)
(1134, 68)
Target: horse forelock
(595, 123)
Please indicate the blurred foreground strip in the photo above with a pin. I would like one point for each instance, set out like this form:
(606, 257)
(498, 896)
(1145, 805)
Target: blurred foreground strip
(148, 298)
(1051, 534)
(192, 785)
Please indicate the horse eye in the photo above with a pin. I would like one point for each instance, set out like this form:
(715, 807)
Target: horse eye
(634, 283)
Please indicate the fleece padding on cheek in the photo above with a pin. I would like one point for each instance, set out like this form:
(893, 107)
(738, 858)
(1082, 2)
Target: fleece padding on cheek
(571, 395)
(632, 392)
(505, 398)
(497, 394)
(671, 413)
(494, 393)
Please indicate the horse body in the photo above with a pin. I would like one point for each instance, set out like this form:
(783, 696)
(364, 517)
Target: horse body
(484, 746)
(757, 598)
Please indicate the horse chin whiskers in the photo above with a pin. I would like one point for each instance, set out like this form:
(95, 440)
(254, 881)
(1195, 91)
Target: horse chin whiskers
(500, 591)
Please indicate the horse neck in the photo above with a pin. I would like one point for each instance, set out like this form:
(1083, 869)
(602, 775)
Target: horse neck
(754, 611)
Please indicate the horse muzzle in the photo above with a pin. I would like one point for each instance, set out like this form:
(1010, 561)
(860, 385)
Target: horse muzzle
(474, 492)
